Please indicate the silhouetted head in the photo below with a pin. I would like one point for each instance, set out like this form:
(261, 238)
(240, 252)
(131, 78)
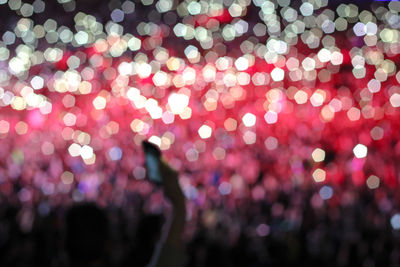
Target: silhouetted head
(87, 235)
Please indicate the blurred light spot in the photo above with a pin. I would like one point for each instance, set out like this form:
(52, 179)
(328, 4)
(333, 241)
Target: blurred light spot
(69, 119)
(219, 153)
(67, 177)
(300, 97)
(139, 172)
(353, 114)
(115, 153)
(4, 127)
(271, 117)
(395, 221)
(395, 100)
(326, 192)
(373, 182)
(306, 9)
(318, 155)
(249, 137)
(99, 102)
(37, 82)
(47, 148)
(155, 140)
(271, 143)
(178, 102)
(117, 15)
(360, 151)
(86, 152)
(225, 188)
(241, 64)
(74, 150)
(319, 175)
(263, 230)
(249, 119)
(230, 124)
(21, 128)
(377, 133)
(205, 131)
(277, 74)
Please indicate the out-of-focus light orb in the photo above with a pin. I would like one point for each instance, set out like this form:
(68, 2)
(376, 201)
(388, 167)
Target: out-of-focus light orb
(395, 100)
(21, 128)
(117, 15)
(353, 114)
(308, 64)
(230, 124)
(37, 82)
(186, 114)
(168, 117)
(86, 152)
(205, 131)
(324, 55)
(277, 74)
(125, 68)
(249, 120)
(132, 93)
(373, 182)
(241, 63)
(249, 137)
(160, 78)
(317, 98)
(360, 151)
(235, 10)
(47, 148)
(4, 126)
(319, 175)
(395, 221)
(377, 133)
(115, 153)
(225, 188)
(360, 29)
(74, 150)
(336, 58)
(139, 172)
(326, 192)
(318, 155)
(192, 154)
(67, 177)
(219, 153)
(306, 9)
(194, 8)
(189, 75)
(143, 70)
(18, 103)
(155, 140)
(69, 119)
(300, 97)
(271, 143)
(99, 103)
(263, 230)
(271, 117)
(209, 73)
(374, 86)
(178, 102)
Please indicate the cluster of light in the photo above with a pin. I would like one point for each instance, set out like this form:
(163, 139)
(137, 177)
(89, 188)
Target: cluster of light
(208, 78)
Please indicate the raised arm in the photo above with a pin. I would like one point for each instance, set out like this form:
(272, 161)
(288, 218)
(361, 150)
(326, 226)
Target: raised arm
(172, 250)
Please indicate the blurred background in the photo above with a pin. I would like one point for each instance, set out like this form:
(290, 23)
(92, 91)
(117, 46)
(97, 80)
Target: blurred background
(281, 117)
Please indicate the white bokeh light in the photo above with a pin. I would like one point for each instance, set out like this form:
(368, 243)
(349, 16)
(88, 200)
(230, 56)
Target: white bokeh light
(205, 131)
(360, 151)
(249, 119)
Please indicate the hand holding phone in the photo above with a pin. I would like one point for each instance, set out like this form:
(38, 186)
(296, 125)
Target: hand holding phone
(153, 161)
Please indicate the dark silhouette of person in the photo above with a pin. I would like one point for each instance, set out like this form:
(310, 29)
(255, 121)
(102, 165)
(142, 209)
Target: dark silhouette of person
(87, 227)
